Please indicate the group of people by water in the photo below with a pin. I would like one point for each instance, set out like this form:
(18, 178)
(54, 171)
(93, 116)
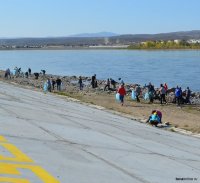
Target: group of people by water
(151, 93)
(148, 92)
(17, 72)
(50, 85)
(161, 93)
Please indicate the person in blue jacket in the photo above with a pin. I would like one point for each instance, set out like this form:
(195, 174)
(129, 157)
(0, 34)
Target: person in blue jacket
(178, 94)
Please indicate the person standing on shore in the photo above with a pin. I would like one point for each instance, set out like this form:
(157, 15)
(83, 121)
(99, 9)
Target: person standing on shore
(162, 92)
(80, 81)
(53, 83)
(113, 83)
(49, 85)
(151, 92)
(166, 87)
(7, 74)
(188, 94)
(93, 81)
(122, 93)
(29, 71)
(58, 83)
(178, 95)
(107, 84)
(137, 92)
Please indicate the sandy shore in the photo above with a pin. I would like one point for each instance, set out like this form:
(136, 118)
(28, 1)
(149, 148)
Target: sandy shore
(186, 117)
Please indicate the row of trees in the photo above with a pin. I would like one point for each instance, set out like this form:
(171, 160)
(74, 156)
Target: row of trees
(165, 45)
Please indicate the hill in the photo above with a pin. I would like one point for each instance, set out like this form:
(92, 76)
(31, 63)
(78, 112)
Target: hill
(96, 39)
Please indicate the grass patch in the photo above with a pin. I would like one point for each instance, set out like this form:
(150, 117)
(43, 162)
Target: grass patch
(70, 94)
(192, 109)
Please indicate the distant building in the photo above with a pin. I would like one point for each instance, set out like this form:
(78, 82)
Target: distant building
(193, 41)
(177, 41)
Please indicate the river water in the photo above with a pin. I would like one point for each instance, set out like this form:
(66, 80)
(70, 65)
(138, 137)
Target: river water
(176, 67)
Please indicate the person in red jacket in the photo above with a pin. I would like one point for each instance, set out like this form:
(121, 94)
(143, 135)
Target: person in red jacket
(122, 93)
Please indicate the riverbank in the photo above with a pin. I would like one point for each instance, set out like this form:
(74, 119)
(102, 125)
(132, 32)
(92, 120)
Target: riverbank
(186, 117)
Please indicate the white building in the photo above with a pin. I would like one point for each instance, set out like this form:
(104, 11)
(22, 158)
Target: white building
(194, 41)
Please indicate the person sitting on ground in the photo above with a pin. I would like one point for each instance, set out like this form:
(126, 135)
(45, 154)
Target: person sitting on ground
(155, 118)
(122, 93)
(107, 84)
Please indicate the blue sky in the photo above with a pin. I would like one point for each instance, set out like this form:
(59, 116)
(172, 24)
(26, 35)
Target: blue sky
(42, 18)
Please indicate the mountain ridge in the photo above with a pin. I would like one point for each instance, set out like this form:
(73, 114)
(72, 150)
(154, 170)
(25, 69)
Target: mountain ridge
(125, 39)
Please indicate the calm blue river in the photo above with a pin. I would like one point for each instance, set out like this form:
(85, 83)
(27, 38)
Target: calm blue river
(174, 67)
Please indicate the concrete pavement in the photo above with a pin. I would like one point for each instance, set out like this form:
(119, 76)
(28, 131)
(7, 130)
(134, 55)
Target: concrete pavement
(45, 138)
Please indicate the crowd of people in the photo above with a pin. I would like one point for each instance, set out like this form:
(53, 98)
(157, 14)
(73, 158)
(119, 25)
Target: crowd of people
(49, 84)
(148, 92)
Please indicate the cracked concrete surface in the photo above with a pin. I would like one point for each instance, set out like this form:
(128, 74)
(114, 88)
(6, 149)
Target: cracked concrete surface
(81, 144)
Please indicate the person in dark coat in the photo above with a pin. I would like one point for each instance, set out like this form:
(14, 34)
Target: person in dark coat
(58, 83)
(80, 81)
(26, 74)
(113, 83)
(36, 74)
(188, 94)
(53, 83)
(94, 81)
(29, 71)
(43, 72)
